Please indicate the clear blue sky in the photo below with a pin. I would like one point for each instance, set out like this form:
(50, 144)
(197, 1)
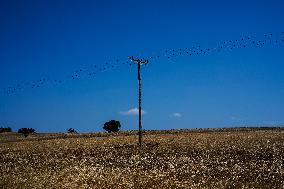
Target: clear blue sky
(52, 39)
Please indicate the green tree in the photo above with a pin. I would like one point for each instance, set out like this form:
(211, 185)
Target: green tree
(26, 131)
(5, 129)
(112, 126)
(71, 130)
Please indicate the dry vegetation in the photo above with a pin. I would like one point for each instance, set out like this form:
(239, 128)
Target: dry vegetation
(239, 158)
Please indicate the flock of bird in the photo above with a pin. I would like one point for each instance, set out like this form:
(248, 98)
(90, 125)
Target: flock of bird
(266, 40)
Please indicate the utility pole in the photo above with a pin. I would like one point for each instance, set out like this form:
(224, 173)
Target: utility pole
(139, 62)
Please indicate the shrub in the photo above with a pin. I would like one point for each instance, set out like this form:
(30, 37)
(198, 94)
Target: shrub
(112, 126)
(71, 130)
(26, 131)
(5, 129)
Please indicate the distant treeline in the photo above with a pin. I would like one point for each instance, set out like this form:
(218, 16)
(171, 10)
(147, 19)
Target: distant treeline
(24, 131)
(170, 131)
(261, 127)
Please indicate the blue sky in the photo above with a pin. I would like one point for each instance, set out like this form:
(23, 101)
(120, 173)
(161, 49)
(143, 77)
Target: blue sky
(45, 43)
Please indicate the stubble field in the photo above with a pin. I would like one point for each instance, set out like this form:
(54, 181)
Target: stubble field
(216, 158)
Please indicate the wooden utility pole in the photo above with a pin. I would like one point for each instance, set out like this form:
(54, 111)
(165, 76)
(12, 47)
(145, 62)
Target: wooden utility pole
(139, 62)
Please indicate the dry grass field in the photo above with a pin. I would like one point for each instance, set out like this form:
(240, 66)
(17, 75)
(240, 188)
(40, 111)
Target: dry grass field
(215, 158)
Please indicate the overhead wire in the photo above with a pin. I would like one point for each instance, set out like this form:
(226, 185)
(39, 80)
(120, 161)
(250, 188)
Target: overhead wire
(91, 71)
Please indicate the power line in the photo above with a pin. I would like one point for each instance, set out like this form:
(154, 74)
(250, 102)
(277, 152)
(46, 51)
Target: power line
(244, 42)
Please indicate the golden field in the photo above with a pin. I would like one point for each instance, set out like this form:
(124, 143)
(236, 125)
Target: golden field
(209, 158)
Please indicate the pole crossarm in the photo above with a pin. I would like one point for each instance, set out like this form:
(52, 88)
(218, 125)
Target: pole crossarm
(141, 61)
